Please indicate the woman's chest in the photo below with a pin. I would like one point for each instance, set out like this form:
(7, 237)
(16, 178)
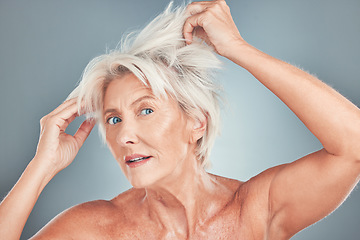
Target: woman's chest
(233, 222)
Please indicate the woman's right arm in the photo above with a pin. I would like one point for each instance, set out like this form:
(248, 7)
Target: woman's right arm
(55, 151)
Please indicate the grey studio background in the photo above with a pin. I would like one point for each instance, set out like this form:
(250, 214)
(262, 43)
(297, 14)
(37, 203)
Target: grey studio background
(45, 45)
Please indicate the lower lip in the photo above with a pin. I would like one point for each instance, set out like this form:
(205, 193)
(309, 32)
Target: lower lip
(138, 164)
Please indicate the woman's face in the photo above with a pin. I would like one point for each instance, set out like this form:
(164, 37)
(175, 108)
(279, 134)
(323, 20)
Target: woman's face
(150, 137)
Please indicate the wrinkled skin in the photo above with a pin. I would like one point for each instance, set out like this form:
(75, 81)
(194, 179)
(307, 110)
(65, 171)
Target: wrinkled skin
(173, 197)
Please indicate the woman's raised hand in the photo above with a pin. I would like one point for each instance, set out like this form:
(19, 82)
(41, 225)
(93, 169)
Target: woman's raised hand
(212, 22)
(57, 149)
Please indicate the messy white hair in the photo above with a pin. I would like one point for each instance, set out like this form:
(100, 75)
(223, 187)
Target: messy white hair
(159, 57)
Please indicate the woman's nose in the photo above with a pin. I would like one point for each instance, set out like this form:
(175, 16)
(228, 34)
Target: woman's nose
(127, 134)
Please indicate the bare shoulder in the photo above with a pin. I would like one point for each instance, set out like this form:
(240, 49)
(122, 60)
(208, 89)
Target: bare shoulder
(128, 197)
(100, 219)
(80, 222)
(232, 184)
(129, 207)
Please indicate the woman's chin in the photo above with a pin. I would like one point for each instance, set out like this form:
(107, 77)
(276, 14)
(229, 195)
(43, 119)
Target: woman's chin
(142, 181)
(138, 185)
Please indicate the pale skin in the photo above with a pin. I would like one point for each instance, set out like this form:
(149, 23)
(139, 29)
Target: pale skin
(168, 203)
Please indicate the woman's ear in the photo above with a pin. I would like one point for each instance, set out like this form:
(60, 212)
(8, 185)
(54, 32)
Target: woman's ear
(199, 128)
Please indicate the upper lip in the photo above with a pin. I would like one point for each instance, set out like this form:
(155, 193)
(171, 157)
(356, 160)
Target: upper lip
(134, 156)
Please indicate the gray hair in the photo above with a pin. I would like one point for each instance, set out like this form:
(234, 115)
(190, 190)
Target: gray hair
(159, 57)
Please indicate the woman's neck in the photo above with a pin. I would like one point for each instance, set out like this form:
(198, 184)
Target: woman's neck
(179, 203)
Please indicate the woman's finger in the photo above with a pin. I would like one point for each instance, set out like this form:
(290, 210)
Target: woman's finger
(190, 24)
(51, 117)
(61, 117)
(198, 13)
(68, 121)
(64, 105)
(213, 23)
(83, 132)
(194, 9)
(197, 7)
(68, 111)
(64, 117)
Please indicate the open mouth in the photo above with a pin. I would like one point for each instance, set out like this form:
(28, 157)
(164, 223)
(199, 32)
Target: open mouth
(139, 159)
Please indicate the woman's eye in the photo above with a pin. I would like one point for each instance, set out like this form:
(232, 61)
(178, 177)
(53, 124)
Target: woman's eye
(146, 111)
(113, 120)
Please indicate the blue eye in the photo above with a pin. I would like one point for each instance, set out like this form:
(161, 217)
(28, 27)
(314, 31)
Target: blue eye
(146, 111)
(113, 120)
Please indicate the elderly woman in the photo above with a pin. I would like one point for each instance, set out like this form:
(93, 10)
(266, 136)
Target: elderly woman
(158, 109)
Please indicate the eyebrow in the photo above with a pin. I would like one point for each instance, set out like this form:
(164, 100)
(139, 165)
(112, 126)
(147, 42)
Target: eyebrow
(140, 99)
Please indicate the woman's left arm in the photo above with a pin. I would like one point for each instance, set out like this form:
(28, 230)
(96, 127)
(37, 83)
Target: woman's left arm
(304, 191)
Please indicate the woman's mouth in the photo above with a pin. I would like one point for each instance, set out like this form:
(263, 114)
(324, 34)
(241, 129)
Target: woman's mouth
(136, 160)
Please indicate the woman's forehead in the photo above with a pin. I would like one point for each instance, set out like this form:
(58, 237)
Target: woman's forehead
(125, 89)
(128, 90)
